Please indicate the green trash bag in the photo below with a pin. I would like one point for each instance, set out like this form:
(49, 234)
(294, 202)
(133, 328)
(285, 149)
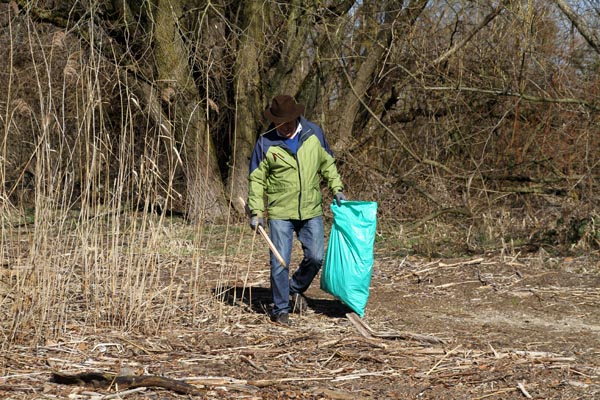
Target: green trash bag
(349, 260)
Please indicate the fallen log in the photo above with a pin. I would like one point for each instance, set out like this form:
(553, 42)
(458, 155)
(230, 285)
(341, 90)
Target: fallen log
(107, 380)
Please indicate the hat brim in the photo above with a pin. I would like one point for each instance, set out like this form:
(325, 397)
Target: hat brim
(280, 119)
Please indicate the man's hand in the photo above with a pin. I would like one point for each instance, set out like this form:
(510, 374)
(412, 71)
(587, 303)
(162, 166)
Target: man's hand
(255, 222)
(339, 196)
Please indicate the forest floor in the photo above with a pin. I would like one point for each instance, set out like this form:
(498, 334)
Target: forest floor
(512, 326)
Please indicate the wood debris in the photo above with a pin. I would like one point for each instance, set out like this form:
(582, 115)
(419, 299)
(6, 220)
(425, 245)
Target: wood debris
(106, 380)
(369, 333)
(423, 339)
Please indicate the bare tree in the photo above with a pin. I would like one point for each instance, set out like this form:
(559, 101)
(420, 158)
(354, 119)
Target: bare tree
(435, 96)
(588, 34)
(148, 40)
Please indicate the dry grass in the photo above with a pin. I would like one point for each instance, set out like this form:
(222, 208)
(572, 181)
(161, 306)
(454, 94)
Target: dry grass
(134, 272)
(500, 337)
(74, 250)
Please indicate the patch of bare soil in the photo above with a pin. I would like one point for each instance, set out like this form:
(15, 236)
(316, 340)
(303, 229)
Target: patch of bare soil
(512, 328)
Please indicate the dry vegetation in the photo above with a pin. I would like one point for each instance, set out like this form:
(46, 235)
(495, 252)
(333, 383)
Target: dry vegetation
(509, 323)
(483, 156)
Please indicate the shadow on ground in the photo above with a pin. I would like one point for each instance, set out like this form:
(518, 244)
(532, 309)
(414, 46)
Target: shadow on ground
(258, 299)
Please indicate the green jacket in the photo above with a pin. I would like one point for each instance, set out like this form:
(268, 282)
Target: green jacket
(292, 182)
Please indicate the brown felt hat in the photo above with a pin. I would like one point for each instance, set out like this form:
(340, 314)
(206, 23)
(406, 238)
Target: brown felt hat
(283, 109)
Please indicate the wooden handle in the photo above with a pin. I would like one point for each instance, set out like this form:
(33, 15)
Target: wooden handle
(265, 235)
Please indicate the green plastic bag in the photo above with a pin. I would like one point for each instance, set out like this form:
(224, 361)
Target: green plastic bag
(349, 260)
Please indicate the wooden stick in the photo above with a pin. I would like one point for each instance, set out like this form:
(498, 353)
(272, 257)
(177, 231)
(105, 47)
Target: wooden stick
(496, 393)
(521, 387)
(364, 329)
(265, 235)
(252, 363)
(458, 264)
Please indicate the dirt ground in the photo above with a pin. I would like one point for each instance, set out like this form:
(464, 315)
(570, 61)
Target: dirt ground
(513, 327)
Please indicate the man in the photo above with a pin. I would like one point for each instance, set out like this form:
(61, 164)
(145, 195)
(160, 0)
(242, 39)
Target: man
(287, 164)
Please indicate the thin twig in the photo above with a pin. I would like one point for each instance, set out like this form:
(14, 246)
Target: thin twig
(523, 390)
(121, 394)
(442, 359)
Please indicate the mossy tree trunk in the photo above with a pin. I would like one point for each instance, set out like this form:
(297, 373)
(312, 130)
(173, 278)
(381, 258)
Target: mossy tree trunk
(187, 113)
(248, 87)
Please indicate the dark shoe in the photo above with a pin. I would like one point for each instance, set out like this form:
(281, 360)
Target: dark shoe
(281, 319)
(299, 303)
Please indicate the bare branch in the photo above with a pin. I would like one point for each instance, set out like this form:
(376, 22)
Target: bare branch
(582, 28)
(495, 12)
(501, 92)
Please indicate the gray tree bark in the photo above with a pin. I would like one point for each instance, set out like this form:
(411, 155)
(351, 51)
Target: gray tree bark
(205, 194)
(248, 88)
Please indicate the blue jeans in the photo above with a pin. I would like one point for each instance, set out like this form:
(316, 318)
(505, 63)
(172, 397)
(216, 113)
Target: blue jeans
(310, 234)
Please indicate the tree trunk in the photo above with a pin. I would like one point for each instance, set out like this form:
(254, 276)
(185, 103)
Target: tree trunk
(294, 63)
(205, 194)
(300, 70)
(349, 106)
(247, 87)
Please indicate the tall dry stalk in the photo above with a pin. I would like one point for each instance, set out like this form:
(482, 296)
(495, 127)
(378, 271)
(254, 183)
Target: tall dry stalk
(90, 259)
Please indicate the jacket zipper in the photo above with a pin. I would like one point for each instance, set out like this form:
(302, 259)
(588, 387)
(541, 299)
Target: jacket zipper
(300, 186)
(303, 134)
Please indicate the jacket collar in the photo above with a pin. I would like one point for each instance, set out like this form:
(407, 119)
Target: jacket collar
(279, 141)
